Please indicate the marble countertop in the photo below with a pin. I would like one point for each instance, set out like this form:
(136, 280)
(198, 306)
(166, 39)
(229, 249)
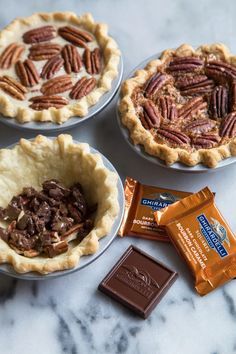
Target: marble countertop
(68, 315)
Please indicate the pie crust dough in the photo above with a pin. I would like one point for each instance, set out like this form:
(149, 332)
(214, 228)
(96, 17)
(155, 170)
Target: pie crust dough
(11, 107)
(139, 135)
(30, 163)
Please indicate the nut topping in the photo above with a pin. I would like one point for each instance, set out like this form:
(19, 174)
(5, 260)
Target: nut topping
(92, 61)
(219, 102)
(10, 55)
(167, 108)
(40, 34)
(43, 51)
(51, 67)
(72, 59)
(83, 87)
(193, 106)
(199, 126)
(196, 85)
(184, 64)
(220, 70)
(233, 96)
(173, 136)
(205, 141)
(228, 126)
(75, 36)
(154, 84)
(27, 73)
(150, 117)
(45, 102)
(57, 85)
(12, 87)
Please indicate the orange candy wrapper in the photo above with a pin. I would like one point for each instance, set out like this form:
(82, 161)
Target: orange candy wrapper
(202, 237)
(141, 201)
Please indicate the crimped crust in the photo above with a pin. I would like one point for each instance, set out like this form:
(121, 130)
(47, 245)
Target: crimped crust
(29, 164)
(111, 56)
(139, 135)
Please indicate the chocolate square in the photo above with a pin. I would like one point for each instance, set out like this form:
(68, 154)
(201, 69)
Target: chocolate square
(138, 281)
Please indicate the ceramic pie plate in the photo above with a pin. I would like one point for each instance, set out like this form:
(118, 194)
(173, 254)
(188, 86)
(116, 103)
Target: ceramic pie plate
(177, 166)
(73, 121)
(104, 242)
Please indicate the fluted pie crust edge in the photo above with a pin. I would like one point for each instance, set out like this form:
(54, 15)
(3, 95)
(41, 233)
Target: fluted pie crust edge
(111, 57)
(139, 135)
(30, 163)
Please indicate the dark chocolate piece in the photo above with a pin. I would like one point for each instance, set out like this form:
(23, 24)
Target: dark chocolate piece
(138, 281)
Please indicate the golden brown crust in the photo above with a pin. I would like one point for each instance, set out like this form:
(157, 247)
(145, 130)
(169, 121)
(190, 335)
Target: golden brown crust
(111, 57)
(139, 135)
(60, 158)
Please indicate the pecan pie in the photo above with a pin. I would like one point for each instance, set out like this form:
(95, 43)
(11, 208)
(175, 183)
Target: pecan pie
(54, 66)
(182, 106)
(45, 225)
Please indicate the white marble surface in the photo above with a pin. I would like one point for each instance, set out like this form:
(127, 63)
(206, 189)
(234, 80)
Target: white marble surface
(68, 315)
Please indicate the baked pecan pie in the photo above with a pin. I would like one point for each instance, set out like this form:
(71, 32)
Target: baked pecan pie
(182, 106)
(54, 66)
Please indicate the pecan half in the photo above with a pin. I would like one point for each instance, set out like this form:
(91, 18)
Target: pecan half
(12, 87)
(72, 59)
(205, 141)
(167, 108)
(44, 102)
(92, 61)
(196, 85)
(191, 107)
(27, 73)
(43, 51)
(228, 126)
(173, 136)
(154, 84)
(200, 126)
(83, 87)
(57, 85)
(10, 55)
(51, 67)
(40, 34)
(150, 117)
(219, 102)
(233, 97)
(75, 36)
(184, 64)
(56, 248)
(220, 70)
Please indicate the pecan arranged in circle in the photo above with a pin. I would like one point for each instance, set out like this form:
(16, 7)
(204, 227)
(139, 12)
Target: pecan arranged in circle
(205, 141)
(195, 85)
(193, 106)
(72, 59)
(10, 55)
(75, 36)
(40, 34)
(220, 70)
(168, 108)
(184, 64)
(57, 85)
(51, 67)
(12, 87)
(173, 136)
(154, 84)
(92, 61)
(44, 102)
(219, 102)
(43, 51)
(27, 73)
(83, 87)
(228, 126)
(150, 117)
(199, 126)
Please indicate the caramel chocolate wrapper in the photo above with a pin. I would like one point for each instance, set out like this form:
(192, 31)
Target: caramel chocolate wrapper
(140, 203)
(203, 238)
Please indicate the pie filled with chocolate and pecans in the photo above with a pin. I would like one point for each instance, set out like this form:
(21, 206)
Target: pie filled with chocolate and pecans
(182, 107)
(54, 66)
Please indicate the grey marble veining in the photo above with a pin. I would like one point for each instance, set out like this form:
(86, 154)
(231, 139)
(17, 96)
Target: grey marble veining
(68, 315)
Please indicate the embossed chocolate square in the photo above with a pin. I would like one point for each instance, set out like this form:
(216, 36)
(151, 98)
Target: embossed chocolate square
(138, 281)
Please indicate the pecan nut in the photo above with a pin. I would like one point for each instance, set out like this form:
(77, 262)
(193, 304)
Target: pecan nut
(220, 70)
(57, 85)
(13, 87)
(72, 59)
(200, 126)
(233, 97)
(43, 51)
(51, 67)
(173, 136)
(205, 141)
(167, 108)
(55, 249)
(219, 102)
(40, 34)
(27, 73)
(10, 55)
(92, 61)
(44, 102)
(184, 64)
(150, 117)
(75, 36)
(83, 87)
(154, 84)
(193, 86)
(228, 126)
(193, 106)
